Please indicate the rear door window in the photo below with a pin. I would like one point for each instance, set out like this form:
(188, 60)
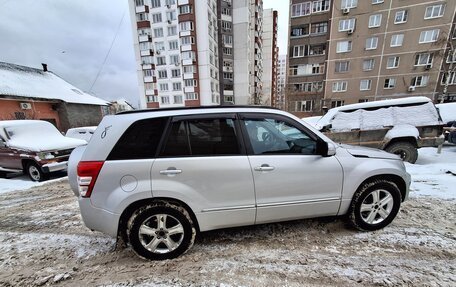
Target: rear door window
(202, 137)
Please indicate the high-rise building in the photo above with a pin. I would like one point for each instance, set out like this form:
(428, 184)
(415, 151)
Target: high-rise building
(270, 57)
(280, 101)
(377, 49)
(186, 51)
(446, 86)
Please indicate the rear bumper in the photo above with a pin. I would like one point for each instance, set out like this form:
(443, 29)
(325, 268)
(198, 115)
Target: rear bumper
(98, 219)
(408, 182)
(431, 142)
(55, 166)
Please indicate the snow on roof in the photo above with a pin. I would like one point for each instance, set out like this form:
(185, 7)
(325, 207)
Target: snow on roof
(447, 111)
(21, 81)
(384, 103)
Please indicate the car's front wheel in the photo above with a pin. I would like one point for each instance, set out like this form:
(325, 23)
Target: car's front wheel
(34, 172)
(407, 151)
(375, 205)
(161, 231)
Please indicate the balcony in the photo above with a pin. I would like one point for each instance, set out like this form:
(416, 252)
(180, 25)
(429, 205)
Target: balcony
(148, 79)
(143, 24)
(144, 38)
(188, 76)
(189, 89)
(187, 62)
(142, 9)
(146, 66)
(185, 33)
(146, 53)
(227, 69)
(182, 2)
(186, 48)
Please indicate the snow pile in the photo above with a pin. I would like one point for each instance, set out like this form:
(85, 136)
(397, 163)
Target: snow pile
(421, 115)
(402, 131)
(447, 111)
(28, 82)
(23, 183)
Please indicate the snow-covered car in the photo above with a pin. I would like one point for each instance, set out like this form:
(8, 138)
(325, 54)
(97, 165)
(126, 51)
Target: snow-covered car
(83, 133)
(448, 113)
(398, 126)
(34, 147)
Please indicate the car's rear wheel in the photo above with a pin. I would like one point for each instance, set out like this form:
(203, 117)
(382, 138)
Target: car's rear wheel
(34, 172)
(407, 151)
(161, 231)
(375, 205)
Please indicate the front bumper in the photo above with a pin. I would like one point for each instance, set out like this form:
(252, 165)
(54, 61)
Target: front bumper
(55, 166)
(408, 182)
(98, 219)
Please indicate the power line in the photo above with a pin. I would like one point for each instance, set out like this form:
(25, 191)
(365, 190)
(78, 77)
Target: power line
(109, 51)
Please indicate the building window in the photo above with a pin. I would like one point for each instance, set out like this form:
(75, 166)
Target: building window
(451, 78)
(175, 73)
(397, 40)
(186, 26)
(173, 45)
(339, 86)
(307, 69)
(147, 60)
(174, 59)
(158, 32)
(347, 4)
(177, 86)
(161, 61)
(420, 81)
(317, 50)
(171, 16)
(139, 2)
(320, 6)
(392, 62)
(371, 43)
(172, 31)
(143, 46)
(298, 51)
(142, 17)
(423, 59)
(190, 83)
(159, 46)
(346, 25)
(162, 74)
(148, 73)
(363, 100)
(155, 3)
(156, 18)
(304, 106)
(337, 103)
(226, 26)
(375, 20)
(301, 9)
(191, 96)
(185, 9)
(189, 69)
(365, 85)
(342, 66)
(170, 2)
(390, 83)
(226, 11)
(227, 39)
(164, 100)
(429, 36)
(368, 64)
(319, 28)
(228, 76)
(401, 17)
(188, 55)
(344, 46)
(377, 1)
(434, 11)
(188, 40)
(164, 87)
(227, 51)
(451, 57)
(300, 31)
(309, 87)
(178, 99)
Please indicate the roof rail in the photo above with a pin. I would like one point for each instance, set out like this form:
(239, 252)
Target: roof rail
(194, 108)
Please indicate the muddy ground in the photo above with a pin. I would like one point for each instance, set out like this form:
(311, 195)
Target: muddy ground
(43, 242)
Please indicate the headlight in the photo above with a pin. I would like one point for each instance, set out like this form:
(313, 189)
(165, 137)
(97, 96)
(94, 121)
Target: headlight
(45, 155)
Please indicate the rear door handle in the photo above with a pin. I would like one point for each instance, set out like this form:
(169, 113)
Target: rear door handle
(264, 167)
(171, 171)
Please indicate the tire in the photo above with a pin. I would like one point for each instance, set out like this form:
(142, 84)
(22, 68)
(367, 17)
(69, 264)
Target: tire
(152, 240)
(375, 205)
(406, 150)
(35, 173)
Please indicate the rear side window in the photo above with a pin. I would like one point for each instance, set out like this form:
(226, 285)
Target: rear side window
(202, 137)
(140, 140)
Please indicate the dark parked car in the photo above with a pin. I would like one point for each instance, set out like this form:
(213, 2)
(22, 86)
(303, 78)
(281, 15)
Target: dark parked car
(35, 147)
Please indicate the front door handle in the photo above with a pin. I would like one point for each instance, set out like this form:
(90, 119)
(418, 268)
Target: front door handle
(264, 167)
(171, 171)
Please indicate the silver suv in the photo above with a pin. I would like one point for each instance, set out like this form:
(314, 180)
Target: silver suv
(155, 178)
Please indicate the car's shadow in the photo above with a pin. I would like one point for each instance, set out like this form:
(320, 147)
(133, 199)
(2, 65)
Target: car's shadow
(21, 175)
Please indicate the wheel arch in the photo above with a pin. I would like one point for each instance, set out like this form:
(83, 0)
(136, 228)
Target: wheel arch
(397, 180)
(25, 161)
(128, 212)
(408, 139)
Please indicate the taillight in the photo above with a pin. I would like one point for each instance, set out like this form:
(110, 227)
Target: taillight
(87, 176)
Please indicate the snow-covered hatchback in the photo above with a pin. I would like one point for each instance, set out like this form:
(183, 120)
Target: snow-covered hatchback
(34, 147)
(155, 178)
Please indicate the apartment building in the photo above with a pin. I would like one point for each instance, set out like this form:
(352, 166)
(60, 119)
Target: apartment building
(225, 46)
(176, 48)
(280, 101)
(446, 86)
(270, 57)
(378, 49)
(307, 55)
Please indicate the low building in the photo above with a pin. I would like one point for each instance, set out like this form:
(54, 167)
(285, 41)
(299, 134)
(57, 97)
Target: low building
(29, 93)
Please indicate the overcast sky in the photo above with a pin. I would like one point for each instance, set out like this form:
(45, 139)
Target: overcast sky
(74, 36)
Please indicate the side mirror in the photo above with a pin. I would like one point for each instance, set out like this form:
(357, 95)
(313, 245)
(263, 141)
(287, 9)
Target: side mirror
(326, 128)
(325, 149)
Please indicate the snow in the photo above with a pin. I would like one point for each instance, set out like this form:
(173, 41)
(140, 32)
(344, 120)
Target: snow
(402, 131)
(23, 182)
(37, 136)
(421, 115)
(83, 133)
(20, 81)
(447, 111)
(326, 119)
